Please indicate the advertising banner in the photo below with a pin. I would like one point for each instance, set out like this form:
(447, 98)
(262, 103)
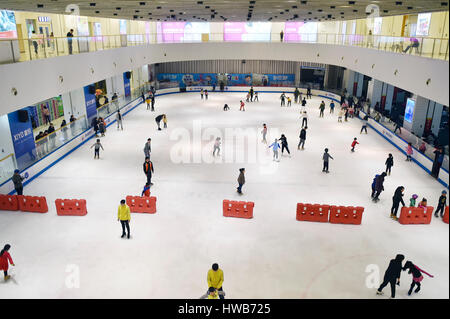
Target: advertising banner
(239, 80)
(171, 80)
(91, 104)
(176, 32)
(409, 110)
(300, 32)
(247, 31)
(23, 139)
(7, 25)
(126, 84)
(273, 80)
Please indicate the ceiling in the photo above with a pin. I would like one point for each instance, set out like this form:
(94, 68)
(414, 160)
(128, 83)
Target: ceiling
(229, 10)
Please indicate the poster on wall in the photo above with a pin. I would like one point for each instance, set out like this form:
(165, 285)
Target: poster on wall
(98, 31)
(247, 31)
(123, 26)
(273, 80)
(126, 84)
(91, 103)
(171, 80)
(239, 79)
(176, 32)
(7, 25)
(423, 24)
(22, 138)
(300, 32)
(409, 110)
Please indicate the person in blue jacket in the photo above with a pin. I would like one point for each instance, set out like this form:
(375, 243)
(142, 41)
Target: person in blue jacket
(275, 146)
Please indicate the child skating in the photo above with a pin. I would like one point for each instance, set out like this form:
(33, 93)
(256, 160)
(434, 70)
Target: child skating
(354, 144)
(275, 147)
(5, 260)
(146, 190)
(264, 133)
(97, 147)
(340, 115)
(412, 200)
(217, 147)
(326, 159)
(409, 152)
(417, 276)
(202, 93)
(289, 103)
(242, 108)
(332, 107)
(226, 107)
(213, 293)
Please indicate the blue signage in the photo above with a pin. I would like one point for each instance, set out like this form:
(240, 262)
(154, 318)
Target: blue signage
(91, 104)
(23, 140)
(126, 84)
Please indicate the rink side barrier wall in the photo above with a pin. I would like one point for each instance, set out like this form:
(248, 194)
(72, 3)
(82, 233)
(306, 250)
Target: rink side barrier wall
(420, 159)
(63, 151)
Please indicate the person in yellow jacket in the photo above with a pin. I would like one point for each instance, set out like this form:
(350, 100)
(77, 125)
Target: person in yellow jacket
(124, 216)
(215, 279)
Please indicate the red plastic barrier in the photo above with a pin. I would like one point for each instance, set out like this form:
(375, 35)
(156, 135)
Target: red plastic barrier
(346, 215)
(71, 207)
(233, 208)
(445, 217)
(33, 204)
(138, 204)
(313, 212)
(415, 215)
(9, 202)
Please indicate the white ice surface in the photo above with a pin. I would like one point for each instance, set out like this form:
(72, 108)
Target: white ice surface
(270, 256)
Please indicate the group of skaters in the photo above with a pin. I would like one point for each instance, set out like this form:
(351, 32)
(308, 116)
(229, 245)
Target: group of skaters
(252, 96)
(378, 187)
(150, 99)
(393, 272)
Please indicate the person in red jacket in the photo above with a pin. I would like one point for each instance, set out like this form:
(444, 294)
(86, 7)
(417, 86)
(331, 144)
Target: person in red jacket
(242, 106)
(354, 144)
(5, 257)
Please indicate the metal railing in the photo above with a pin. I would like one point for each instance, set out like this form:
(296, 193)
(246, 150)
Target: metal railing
(47, 47)
(50, 142)
(7, 167)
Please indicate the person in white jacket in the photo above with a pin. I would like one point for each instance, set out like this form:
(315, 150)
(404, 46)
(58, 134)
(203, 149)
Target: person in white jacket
(304, 119)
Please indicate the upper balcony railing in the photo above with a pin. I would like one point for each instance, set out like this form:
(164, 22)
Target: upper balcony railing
(47, 47)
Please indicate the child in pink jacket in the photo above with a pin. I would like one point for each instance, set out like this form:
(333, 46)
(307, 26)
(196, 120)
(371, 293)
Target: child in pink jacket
(409, 152)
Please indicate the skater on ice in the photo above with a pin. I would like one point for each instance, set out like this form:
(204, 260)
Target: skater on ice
(215, 278)
(416, 273)
(5, 260)
(97, 147)
(355, 141)
(275, 147)
(441, 204)
(396, 200)
(326, 158)
(392, 275)
(389, 163)
(241, 180)
(124, 216)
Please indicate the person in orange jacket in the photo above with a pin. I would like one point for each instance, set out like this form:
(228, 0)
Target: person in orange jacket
(148, 170)
(5, 257)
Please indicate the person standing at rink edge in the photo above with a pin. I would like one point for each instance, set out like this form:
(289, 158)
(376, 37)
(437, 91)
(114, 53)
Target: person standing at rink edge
(5, 258)
(215, 279)
(124, 216)
(396, 200)
(392, 275)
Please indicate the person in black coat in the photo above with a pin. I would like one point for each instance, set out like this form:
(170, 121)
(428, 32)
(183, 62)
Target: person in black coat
(396, 200)
(302, 138)
(389, 163)
(392, 275)
(437, 163)
(158, 120)
(379, 186)
(284, 144)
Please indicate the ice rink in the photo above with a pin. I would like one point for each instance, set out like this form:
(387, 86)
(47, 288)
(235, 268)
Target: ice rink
(269, 256)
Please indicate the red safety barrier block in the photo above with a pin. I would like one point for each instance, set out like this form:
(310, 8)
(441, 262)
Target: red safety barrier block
(445, 217)
(313, 212)
(233, 208)
(71, 207)
(33, 204)
(9, 202)
(145, 205)
(415, 215)
(346, 215)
